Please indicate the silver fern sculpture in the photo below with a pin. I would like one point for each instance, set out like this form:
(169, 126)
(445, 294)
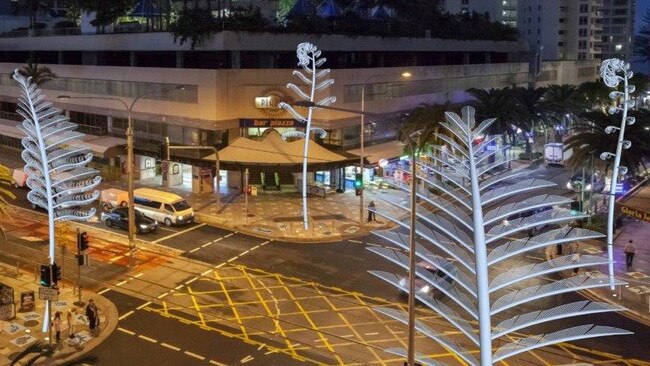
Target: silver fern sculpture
(468, 233)
(58, 178)
(315, 80)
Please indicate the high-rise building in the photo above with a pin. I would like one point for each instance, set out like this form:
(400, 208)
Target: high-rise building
(562, 29)
(618, 28)
(504, 11)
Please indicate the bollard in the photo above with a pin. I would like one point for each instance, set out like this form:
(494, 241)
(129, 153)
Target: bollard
(17, 268)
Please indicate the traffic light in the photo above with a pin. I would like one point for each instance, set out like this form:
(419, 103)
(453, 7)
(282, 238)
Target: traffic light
(82, 242)
(46, 276)
(358, 184)
(576, 207)
(56, 273)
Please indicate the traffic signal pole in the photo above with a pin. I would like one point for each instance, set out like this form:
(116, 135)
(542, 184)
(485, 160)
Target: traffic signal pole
(79, 302)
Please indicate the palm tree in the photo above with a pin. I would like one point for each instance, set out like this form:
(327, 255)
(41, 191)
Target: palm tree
(594, 95)
(530, 107)
(591, 137)
(425, 117)
(39, 351)
(32, 7)
(562, 101)
(496, 103)
(39, 74)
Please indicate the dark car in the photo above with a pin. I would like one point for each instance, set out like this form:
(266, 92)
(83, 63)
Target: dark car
(423, 285)
(575, 182)
(119, 217)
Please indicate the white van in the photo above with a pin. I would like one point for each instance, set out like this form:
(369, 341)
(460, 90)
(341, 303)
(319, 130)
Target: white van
(162, 206)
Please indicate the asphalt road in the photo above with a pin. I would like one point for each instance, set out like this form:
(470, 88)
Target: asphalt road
(342, 265)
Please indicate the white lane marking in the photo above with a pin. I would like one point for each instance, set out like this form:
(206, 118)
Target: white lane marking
(178, 287)
(194, 355)
(206, 244)
(355, 241)
(125, 331)
(121, 283)
(232, 259)
(255, 247)
(125, 315)
(248, 358)
(216, 240)
(192, 280)
(229, 235)
(115, 258)
(103, 291)
(270, 352)
(162, 295)
(147, 338)
(217, 363)
(195, 249)
(206, 272)
(348, 335)
(138, 275)
(244, 253)
(266, 242)
(170, 346)
(144, 305)
(167, 229)
(179, 233)
(261, 346)
(373, 333)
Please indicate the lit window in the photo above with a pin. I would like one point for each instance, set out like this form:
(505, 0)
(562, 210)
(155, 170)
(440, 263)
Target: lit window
(618, 47)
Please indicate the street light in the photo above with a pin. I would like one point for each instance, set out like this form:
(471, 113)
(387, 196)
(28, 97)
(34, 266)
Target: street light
(413, 214)
(415, 135)
(405, 74)
(129, 156)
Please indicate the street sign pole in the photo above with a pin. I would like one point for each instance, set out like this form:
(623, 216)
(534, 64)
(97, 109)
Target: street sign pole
(78, 302)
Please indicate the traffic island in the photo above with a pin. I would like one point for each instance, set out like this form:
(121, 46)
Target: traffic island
(22, 320)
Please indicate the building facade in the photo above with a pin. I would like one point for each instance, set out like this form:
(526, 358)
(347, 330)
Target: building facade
(504, 11)
(562, 29)
(618, 29)
(207, 97)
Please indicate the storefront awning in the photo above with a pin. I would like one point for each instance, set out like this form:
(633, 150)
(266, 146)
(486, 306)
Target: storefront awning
(637, 205)
(273, 150)
(103, 146)
(386, 150)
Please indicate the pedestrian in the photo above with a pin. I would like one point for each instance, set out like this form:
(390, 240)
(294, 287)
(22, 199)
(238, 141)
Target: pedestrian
(575, 258)
(630, 251)
(371, 211)
(56, 324)
(71, 318)
(91, 313)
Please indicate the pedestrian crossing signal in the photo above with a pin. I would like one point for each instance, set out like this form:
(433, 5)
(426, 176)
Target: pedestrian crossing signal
(46, 276)
(358, 181)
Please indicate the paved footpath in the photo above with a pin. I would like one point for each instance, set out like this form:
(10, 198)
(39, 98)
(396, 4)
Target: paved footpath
(26, 327)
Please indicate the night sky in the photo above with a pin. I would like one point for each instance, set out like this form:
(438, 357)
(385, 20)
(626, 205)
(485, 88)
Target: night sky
(642, 7)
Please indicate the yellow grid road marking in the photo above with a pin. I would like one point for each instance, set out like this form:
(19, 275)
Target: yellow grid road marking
(270, 313)
(371, 349)
(196, 306)
(234, 309)
(311, 322)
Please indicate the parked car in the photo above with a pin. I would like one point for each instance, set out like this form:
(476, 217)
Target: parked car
(119, 217)
(423, 285)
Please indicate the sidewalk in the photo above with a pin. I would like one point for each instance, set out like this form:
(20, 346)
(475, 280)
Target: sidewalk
(635, 296)
(17, 333)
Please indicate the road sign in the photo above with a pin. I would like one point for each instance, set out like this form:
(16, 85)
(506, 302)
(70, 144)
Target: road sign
(46, 293)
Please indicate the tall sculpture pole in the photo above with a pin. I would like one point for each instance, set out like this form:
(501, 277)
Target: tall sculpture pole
(609, 72)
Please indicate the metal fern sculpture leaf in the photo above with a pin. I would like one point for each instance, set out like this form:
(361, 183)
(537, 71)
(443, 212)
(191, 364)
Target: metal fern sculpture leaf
(58, 178)
(314, 79)
(468, 230)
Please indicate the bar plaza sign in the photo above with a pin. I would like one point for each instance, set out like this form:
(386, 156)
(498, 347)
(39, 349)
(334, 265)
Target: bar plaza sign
(268, 123)
(635, 213)
(268, 101)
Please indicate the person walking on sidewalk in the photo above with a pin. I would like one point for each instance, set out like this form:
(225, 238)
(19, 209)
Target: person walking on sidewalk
(71, 319)
(371, 211)
(91, 313)
(630, 251)
(56, 324)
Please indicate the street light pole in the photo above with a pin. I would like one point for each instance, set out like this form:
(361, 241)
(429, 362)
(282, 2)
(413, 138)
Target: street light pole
(412, 254)
(362, 131)
(130, 160)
